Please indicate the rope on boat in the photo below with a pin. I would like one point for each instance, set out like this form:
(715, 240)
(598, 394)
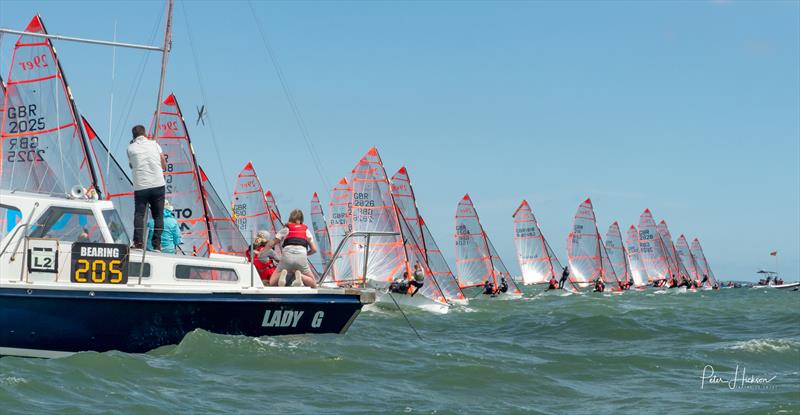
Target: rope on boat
(288, 94)
(200, 82)
(404, 315)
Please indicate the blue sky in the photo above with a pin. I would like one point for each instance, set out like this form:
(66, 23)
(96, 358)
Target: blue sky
(689, 108)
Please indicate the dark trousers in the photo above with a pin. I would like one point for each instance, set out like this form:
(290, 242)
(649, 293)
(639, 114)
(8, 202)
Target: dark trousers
(155, 198)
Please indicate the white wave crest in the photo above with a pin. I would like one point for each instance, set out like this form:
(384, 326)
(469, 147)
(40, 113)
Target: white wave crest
(766, 345)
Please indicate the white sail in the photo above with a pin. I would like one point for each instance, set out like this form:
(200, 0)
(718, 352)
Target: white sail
(537, 262)
(617, 252)
(638, 271)
(705, 269)
(587, 255)
(687, 259)
(672, 255)
(651, 248)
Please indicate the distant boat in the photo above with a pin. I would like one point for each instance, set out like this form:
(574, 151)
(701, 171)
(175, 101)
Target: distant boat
(705, 269)
(687, 259)
(676, 265)
(638, 271)
(321, 233)
(477, 262)
(273, 207)
(652, 249)
(617, 253)
(588, 259)
(339, 226)
(250, 209)
(537, 261)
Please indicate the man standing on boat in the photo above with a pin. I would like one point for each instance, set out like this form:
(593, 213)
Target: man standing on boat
(147, 164)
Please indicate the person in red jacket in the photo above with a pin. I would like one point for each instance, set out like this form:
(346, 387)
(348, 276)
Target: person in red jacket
(297, 242)
(266, 264)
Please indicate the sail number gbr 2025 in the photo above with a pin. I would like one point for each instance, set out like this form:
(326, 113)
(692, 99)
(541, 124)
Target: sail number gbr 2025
(97, 263)
(23, 120)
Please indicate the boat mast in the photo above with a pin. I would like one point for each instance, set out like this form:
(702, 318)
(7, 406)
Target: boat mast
(164, 58)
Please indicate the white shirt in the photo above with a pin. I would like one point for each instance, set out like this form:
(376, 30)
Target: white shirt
(144, 156)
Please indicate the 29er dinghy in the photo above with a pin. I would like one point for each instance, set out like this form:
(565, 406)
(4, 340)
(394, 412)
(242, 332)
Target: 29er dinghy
(477, 262)
(586, 252)
(68, 281)
(403, 194)
(377, 226)
(537, 261)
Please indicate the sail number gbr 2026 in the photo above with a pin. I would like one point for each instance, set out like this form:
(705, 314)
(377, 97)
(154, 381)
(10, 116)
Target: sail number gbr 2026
(96, 263)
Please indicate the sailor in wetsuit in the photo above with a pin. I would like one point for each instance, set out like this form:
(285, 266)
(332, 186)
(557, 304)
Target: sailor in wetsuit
(672, 281)
(503, 285)
(705, 280)
(419, 278)
(564, 276)
(488, 288)
(599, 285)
(553, 283)
(684, 282)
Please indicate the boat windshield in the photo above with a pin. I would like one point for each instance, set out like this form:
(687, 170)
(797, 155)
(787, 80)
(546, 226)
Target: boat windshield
(67, 225)
(115, 227)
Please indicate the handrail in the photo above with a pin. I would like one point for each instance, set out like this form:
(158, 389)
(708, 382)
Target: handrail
(336, 253)
(24, 225)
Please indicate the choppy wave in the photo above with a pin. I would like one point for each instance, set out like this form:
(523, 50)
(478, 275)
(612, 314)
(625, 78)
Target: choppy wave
(551, 354)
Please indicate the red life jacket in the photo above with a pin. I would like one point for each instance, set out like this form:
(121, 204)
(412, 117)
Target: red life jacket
(297, 235)
(264, 269)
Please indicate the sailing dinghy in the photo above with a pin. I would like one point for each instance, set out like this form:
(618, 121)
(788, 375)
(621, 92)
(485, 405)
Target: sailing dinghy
(652, 249)
(537, 261)
(617, 254)
(390, 258)
(705, 269)
(687, 259)
(206, 225)
(672, 254)
(588, 259)
(637, 268)
(321, 233)
(406, 202)
(477, 262)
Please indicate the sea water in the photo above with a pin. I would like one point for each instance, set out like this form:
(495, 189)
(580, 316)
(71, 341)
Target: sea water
(733, 351)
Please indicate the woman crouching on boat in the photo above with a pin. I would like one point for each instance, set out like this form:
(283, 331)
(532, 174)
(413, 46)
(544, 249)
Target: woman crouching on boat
(265, 264)
(297, 243)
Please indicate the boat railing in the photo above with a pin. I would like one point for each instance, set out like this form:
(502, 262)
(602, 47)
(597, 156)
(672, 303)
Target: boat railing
(14, 234)
(345, 243)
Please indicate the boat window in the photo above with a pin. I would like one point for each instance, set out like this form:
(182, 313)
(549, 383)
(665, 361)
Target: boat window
(68, 225)
(135, 266)
(115, 227)
(9, 217)
(192, 272)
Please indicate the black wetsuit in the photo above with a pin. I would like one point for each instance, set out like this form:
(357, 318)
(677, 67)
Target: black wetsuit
(564, 276)
(599, 287)
(399, 287)
(503, 285)
(488, 288)
(417, 286)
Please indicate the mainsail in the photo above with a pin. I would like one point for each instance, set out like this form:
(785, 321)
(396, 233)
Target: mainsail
(675, 263)
(476, 259)
(617, 252)
(439, 267)
(652, 249)
(338, 228)
(114, 182)
(697, 251)
(587, 255)
(43, 149)
(277, 222)
(687, 259)
(403, 195)
(250, 211)
(225, 235)
(404, 199)
(638, 271)
(537, 261)
(373, 210)
(206, 225)
(321, 230)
